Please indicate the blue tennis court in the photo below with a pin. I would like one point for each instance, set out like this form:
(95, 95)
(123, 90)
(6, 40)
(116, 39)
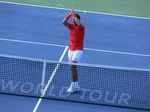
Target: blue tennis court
(36, 32)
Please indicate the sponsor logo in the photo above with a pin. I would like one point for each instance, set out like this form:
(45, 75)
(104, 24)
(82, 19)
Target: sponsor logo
(59, 92)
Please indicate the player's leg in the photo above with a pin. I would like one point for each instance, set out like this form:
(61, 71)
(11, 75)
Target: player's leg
(74, 72)
(75, 58)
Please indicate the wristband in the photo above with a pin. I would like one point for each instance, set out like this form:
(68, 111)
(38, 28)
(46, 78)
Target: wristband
(74, 15)
(67, 17)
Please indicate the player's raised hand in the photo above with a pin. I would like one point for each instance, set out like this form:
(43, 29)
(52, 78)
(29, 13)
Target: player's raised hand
(72, 11)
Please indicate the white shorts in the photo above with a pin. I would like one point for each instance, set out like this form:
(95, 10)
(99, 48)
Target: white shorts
(75, 55)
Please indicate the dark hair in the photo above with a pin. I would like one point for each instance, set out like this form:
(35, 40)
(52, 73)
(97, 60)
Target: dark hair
(78, 16)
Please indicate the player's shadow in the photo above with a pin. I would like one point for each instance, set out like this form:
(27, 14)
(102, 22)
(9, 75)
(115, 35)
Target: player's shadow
(78, 92)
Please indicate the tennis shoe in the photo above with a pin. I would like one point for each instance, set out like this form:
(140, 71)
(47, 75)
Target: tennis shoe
(73, 88)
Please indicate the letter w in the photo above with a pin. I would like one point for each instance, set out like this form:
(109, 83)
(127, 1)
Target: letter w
(9, 84)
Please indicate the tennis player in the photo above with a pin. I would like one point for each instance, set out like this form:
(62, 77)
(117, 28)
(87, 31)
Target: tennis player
(77, 31)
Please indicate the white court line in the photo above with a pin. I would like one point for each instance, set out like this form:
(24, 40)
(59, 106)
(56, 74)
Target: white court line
(43, 77)
(29, 42)
(99, 50)
(76, 10)
(118, 52)
(50, 80)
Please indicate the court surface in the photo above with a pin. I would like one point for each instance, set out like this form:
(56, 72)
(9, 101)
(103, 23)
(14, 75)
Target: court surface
(36, 32)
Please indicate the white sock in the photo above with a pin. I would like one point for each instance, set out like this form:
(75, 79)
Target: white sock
(74, 83)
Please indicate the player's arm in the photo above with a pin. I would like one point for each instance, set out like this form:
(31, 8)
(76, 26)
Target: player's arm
(67, 17)
(65, 20)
